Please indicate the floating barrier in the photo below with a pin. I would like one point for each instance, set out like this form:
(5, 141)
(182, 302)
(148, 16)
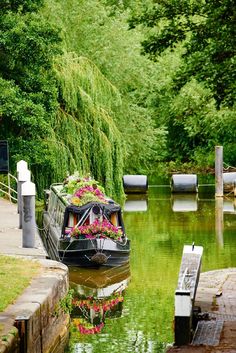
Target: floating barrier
(184, 203)
(184, 183)
(135, 184)
(229, 181)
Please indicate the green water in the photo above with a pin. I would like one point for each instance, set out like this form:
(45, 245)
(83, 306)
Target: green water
(158, 228)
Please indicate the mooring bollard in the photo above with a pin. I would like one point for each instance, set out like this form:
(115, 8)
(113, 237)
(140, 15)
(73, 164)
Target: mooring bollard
(23, 176)
(28, 219)
(20, 166)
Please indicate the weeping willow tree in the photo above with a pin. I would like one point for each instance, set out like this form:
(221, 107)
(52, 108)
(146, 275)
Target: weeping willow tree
(55, 113)
(89, 139)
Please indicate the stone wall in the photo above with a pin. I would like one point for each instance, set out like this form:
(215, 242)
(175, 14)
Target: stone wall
(36, 323)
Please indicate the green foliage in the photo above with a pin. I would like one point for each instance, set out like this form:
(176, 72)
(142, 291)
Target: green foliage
(196, 101)
(21, 5)
(118, 57)
(65, 304)
(85, 122)
(56, 110)
(28, 92)
(28, 44)
(208, 29)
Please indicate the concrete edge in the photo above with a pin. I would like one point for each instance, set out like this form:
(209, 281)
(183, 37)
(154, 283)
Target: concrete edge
(36, 308)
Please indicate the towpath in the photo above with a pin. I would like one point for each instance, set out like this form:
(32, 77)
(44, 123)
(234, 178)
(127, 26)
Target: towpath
(216, 296)
(34, 307)
(11, 235)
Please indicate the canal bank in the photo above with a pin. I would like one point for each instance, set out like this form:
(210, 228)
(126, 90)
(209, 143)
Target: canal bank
(216, 330)
(36, 321)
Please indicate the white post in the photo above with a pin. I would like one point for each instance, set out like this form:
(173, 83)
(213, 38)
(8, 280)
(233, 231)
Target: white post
(219, 192)
(23, 176)
(183, 317)
(28, 219)
(20, 166)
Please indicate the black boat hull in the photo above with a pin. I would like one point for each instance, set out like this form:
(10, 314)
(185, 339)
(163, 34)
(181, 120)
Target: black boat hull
(84, 252)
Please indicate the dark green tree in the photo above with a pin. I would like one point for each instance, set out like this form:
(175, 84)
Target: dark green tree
(196, 100)
(28, 95)
(208, 31)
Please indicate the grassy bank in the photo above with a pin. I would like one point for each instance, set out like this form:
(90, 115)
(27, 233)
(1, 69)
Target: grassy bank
(15, 276)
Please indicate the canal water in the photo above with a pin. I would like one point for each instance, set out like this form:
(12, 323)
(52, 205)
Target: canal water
(131, 309)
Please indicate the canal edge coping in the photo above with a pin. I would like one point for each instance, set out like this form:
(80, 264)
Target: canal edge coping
(35, 322)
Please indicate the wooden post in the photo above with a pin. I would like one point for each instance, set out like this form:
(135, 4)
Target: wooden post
(219, 192)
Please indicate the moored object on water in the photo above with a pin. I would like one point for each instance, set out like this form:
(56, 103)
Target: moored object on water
(135, 183)
(184, 183)
(82, 226)
(229, 181)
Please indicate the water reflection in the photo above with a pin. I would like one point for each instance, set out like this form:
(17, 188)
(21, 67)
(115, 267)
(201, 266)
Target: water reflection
(98, 294)
(219, 220)
(157, 238)
(184, 202)
(189, 203)
(229, 206)
(136, 203)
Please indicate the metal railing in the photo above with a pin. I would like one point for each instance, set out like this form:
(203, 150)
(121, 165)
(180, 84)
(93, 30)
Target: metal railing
(7, 189)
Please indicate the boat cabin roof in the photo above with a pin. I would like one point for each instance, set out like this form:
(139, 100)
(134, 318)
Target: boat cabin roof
(106, 209)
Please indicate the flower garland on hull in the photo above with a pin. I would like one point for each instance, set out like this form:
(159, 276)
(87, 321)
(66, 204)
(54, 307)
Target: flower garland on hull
(97, 229)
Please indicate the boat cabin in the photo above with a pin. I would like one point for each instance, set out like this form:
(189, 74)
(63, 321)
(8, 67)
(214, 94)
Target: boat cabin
(67, 216)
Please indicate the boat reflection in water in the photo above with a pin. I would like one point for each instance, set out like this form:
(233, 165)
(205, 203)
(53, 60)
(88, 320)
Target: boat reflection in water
(98, 294)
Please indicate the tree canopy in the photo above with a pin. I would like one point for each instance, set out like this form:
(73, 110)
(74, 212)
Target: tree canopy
(200, 37)
(76, 93)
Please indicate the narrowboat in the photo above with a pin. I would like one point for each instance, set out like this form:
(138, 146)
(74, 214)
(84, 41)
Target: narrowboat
(82, 226)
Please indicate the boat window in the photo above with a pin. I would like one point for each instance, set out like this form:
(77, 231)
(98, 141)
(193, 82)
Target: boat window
(52, 203)
(114, 219)
(73, 219)
(60, 212)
